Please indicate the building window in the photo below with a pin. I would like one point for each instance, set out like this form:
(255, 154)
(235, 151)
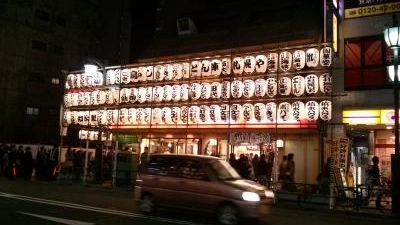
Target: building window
(55, 80)
(39, 45)
(42, 15)
(58, 50)
(364, 63)
(53, 112)
(61, 21)
(33, 111)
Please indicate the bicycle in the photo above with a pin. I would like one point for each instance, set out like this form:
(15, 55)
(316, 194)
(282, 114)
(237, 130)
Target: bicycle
(378, 196)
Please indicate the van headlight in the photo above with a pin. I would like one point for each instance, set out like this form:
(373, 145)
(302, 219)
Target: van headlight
(250, 196)
(269, 194)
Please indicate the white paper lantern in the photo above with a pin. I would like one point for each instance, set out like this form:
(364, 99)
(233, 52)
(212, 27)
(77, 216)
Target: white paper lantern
(176, 92)
(325, 83)
(156, 116)
(195, 69)
(184, 114)
(86, 98)
(226, 66)
(149, 94)
(123, 116)
(67, 117)
(102, 117)
(176, 71)
(112, 117)
(259, 112)
(226, 90)
(298, 110)
(215, 113)
(215, 90)
(225, 115)
(167, 93)
(80, 98)
(67, 100)
(83, 134)
(110, 77)
(312, 110)
(272, 62)
(204, 114)
(184, 94)
(284, 86)
(270, 112)
(205, 91)
(98, 79)
(326, 56)
(311, 83)
(158, 93)
(272, 87)
(298, 85)
(186, 70)
(325, 110)
(117, 76)
(236, 113)
(78, 81)
(205, 68)
(84, 80)
(69, 81)
(236, 89)
(299, 59)
(133, 95)
(93, 118)
(93, 97)
(248, 112)
(147, 115)
(132, 116)
(142, 73)
(249, 64)
(175, 114)
(134, 75)
(141, 97)
(72, 81)
(74, 99)
(261, 63)
(260, 87)
(74, 117)
(248, 88)
(124, 95)
(101, 97)
(158, 73)
(216, 67)
(194, 114)
(149, 73)
(312, 57)
(284, 112)
(125, 76)
(115, 96)
(86, 118)
(238, 65)
(168, 72)
(139, 116)
(195, 91)
(285, 61)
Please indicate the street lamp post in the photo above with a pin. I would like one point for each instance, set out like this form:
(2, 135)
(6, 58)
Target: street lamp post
(91, 68)
(392, 39)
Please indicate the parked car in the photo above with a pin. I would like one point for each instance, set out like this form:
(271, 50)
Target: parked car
(200, 183)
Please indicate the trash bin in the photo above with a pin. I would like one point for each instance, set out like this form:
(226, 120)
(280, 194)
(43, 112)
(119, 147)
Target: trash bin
(127, 168)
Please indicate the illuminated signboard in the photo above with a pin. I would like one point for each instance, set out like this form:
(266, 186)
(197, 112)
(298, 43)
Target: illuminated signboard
(368, 116)
(334, 33)
(361, 8)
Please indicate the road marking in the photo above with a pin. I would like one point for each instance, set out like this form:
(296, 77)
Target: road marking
(94, 209)
(58, 220)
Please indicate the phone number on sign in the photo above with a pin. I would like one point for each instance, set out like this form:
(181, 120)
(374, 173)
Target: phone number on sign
(372, 10)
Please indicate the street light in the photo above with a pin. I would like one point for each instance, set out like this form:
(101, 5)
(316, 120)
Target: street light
(392, 39)
(91, 68)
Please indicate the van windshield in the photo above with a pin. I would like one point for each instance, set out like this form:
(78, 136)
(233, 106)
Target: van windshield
(223, 170)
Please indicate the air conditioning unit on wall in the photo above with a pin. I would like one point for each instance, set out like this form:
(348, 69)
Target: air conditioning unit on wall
(186, 26)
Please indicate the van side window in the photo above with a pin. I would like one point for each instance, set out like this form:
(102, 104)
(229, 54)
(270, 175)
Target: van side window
(192, 169)
(165, 166)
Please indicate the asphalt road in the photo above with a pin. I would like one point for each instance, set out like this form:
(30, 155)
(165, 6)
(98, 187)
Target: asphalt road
(44, 203)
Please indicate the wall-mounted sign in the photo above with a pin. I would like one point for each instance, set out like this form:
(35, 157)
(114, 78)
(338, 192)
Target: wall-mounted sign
(243, 138)
(357, 8)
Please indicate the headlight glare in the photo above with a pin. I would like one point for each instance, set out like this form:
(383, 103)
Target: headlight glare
(250, 196)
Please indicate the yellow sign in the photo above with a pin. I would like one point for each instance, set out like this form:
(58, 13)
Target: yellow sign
(368, 117)
(370, 10)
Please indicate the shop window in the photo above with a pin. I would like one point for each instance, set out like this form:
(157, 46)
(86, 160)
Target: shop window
(33, 111)
(42, 15)
(39, 45)
(364, 63)
(55, 80)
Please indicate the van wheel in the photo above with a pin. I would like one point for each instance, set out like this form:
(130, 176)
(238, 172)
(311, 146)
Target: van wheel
(227, 214)
(147, 204)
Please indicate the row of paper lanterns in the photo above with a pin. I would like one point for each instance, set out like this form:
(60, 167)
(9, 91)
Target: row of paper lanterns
(297, 86)
(284, 112)
(284, 61)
